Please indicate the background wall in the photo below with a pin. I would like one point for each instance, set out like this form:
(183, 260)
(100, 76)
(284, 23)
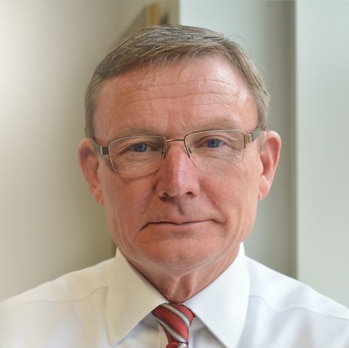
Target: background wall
(322, 145)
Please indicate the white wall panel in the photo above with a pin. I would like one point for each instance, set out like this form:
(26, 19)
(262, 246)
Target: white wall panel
(322, 146)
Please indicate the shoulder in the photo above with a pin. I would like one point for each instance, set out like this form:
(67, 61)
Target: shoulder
(282, 292)
(72, 286)
(67, 305)
(294, 310)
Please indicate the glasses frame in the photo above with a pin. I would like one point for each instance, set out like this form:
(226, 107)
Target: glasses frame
(104, 150)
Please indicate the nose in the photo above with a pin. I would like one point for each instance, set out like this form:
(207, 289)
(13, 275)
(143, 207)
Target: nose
(178, 175)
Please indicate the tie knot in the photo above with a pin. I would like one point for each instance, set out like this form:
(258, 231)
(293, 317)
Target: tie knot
(175, 319)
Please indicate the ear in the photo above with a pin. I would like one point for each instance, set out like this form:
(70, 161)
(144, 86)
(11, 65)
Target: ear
(269, 156)
(89, 166)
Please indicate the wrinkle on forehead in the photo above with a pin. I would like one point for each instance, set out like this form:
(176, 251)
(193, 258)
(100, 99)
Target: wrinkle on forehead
(217, 86)
(145, 79)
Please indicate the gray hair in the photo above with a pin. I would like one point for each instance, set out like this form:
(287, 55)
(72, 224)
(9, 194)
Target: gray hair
(165, 44)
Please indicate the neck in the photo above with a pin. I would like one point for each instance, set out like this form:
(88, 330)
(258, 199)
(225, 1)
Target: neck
(177, 286)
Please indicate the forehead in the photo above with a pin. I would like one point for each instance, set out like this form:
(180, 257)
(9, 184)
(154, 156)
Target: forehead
(199, 91)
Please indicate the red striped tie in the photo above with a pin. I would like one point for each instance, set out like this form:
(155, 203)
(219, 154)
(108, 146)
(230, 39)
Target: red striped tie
(175, 320)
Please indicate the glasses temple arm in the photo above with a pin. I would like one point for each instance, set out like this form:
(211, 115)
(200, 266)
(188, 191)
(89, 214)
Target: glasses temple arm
(102, 150)
(251, 137)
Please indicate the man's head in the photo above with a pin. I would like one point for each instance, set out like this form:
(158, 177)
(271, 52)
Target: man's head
(177, 205)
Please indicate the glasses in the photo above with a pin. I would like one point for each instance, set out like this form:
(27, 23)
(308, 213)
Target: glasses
(141, 154)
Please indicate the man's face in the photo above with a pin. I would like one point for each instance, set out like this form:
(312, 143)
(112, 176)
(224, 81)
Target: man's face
(180, 218)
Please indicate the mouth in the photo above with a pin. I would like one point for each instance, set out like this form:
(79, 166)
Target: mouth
(175, 226)
(175, 222)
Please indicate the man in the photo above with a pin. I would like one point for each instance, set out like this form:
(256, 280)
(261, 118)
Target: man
(178, 153)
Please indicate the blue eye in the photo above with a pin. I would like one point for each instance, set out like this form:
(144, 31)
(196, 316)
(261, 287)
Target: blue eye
(213, 143)
(140, 147)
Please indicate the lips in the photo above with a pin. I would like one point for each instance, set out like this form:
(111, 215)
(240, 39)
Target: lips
(164, 219)
(175, 224)
(179, 223)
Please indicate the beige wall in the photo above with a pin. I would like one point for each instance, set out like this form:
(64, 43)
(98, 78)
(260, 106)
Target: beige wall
(49, 223)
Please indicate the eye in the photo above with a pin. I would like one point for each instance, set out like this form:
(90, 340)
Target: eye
(139, 147)
(213, 143)
(216, 143)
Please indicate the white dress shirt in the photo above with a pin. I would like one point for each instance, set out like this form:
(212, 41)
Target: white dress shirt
(110, 304)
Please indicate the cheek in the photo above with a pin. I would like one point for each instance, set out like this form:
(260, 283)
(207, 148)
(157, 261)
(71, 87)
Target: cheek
(124, 204)
(236, 184)
(235, 194)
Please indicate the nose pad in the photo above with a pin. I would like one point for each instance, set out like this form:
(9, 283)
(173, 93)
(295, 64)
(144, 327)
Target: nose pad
(189, 153)
(164, 151)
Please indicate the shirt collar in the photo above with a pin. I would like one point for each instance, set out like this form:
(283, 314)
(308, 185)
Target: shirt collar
(221, 306)
(129, 294)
